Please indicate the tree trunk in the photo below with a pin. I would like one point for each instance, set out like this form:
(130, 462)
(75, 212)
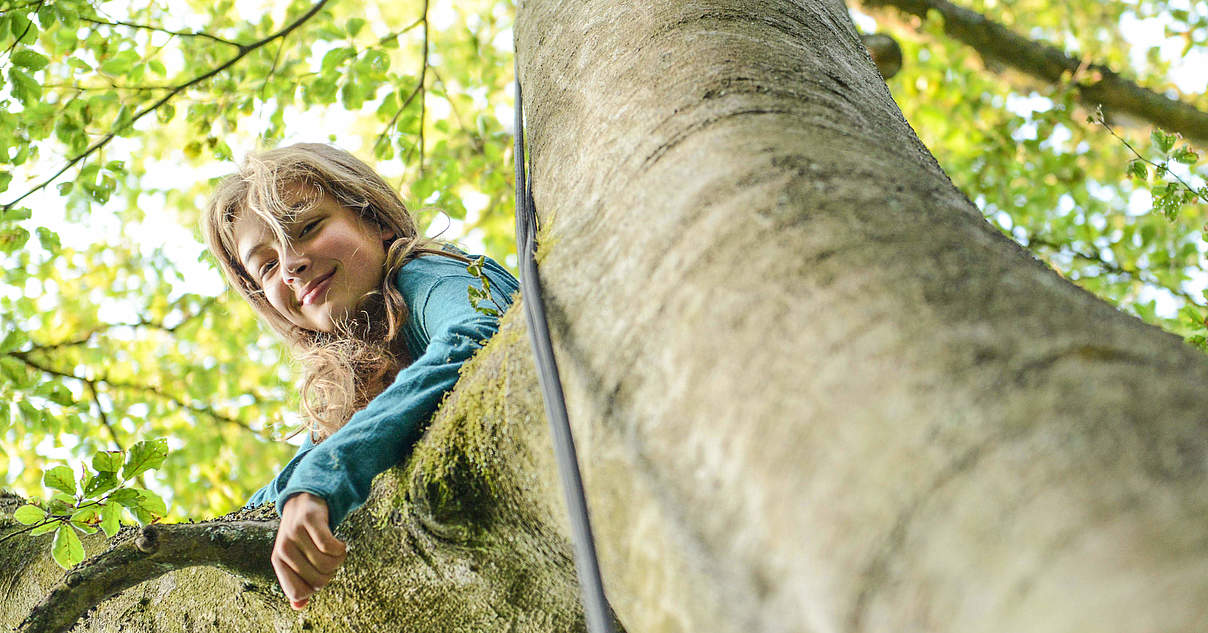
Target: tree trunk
(813, 390)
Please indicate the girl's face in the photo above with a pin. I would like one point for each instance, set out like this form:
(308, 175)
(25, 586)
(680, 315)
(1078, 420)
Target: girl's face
(333, 259)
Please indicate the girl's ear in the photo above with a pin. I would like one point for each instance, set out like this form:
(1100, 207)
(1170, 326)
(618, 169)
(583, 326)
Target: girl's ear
(386, 233)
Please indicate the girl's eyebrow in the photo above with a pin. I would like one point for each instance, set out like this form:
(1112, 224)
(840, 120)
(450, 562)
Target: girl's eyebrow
(246, 258)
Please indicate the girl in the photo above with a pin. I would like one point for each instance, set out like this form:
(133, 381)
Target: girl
(327, 254)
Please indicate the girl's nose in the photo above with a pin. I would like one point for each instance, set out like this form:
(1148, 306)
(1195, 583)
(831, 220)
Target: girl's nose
(294, 265)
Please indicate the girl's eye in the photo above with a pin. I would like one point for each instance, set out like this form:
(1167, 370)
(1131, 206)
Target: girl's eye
(267, 267)
(308, 228)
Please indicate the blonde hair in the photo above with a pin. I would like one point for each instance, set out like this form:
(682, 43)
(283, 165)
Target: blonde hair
(343, 370)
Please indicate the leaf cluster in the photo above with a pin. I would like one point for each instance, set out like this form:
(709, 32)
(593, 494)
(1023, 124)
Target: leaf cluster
(96, 499)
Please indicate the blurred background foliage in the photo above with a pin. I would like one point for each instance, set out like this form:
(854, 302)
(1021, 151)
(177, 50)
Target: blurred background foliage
(117, 117)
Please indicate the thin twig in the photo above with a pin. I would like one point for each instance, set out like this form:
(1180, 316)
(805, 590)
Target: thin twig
(113, 384)
(423, 101)
(144, 323)
(1110, 267)
(272, 69)
(419, 86)
(1163, 169)
(20, 531)
(244, 49)
(29, 24)
(163, 30)
(100, 409)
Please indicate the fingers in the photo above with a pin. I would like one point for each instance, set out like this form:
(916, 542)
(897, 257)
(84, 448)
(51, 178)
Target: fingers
(306, 554)
(325, 542)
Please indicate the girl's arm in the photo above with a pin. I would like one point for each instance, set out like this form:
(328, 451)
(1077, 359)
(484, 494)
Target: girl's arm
(341, 468)
(272, 490)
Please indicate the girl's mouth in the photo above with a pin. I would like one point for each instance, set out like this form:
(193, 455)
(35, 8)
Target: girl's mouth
(317, 287)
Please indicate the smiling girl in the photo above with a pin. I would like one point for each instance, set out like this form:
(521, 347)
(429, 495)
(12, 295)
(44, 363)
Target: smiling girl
(379, 318)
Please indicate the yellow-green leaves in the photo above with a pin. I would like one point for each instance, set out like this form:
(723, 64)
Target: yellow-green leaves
(29, 59)
(60, 478)
(67, 549)
(111, 514)
(29, 514)
(144, 456)
(98, 502)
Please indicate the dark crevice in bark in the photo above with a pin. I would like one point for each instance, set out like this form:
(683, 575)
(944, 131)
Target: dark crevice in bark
(1085, 353)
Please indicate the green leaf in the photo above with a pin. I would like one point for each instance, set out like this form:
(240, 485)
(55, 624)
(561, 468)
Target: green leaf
(49, 240)
(84, 527)
(1162, 141)
(100, 483)
(60, 478)
(85, 515)
(354, 26)
(25, 88)
(67, 549)
(29, 514)
(1138, 169)
(49, 526)
(128, 497)
(111, 514)
(13, 239)
(32, 60)
(152, 503)
(107, 461)
(142, 516)
(144, 456)
(1186, 156)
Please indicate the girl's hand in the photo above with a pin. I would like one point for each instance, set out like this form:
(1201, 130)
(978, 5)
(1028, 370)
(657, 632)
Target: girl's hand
(306, 554)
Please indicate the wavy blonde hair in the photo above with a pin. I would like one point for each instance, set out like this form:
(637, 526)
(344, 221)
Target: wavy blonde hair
(343, 370)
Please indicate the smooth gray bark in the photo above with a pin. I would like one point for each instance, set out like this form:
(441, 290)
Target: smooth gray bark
(816, 391)
(813, 390)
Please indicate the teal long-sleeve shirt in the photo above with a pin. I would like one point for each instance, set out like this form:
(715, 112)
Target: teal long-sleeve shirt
(442, 331)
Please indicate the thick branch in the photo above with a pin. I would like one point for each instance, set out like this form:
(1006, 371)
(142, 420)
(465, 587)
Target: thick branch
(1095, 84)
(240, 547)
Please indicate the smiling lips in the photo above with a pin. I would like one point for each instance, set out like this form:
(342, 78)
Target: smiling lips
(311, 293)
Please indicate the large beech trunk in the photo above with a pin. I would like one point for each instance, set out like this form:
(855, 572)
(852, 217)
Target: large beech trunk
(813, 390)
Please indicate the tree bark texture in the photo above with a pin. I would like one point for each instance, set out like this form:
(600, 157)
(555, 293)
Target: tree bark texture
(813, 390)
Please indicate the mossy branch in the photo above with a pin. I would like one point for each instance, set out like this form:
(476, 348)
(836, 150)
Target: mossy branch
(239, 547)
(1095, 84)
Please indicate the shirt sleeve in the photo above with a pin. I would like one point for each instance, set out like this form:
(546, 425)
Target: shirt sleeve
(270, 492)
(341, 468)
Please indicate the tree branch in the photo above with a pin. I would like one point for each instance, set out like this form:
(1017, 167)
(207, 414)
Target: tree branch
(419, 86)
(92, 382)
(423, 100)
(239, 547)
(100, 410)
(144, 323)
(9, 50)
(244, 49)
(148, 27)
(1033, 241)
(1094, 84)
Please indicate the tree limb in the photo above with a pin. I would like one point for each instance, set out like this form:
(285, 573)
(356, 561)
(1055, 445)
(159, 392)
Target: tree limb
(1095, 84)
(239, 547)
